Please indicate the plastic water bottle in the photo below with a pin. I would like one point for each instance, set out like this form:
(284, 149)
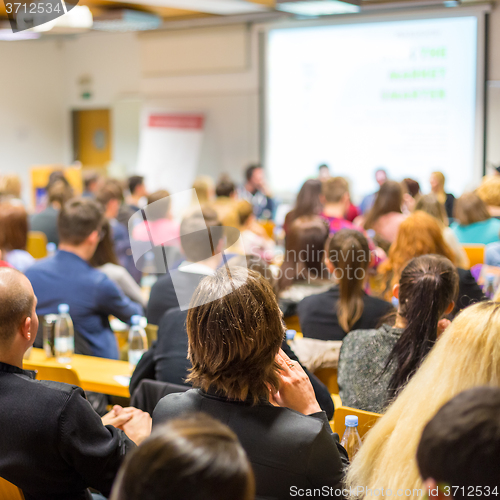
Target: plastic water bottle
(351, 440)
(137, 340)
(64, 335)
(290, 335)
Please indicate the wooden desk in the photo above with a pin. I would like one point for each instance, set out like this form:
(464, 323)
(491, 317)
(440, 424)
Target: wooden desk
(95, 374)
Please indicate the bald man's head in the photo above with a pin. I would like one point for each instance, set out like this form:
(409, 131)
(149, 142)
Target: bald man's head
(16, 302)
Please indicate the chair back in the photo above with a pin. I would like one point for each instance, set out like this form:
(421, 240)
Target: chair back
(366, 420)
(55, 373)
(8, 491)
(475, 254)
(329, 377)
(37, 244)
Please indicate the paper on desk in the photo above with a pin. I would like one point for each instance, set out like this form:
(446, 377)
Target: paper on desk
(122, 380)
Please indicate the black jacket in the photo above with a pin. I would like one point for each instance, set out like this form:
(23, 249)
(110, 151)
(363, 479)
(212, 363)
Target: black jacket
(53, 444)
(318, 315)
(164, 296)
(167, 361)
(287, 450)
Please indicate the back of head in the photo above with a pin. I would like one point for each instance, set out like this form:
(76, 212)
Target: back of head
(89, 179)
(13, 227)
(225, 187)
(305, 251)
(57, 175)
(16, 303)
(427, 286)
(59, 192)
(469, 208)
(308, 200)
(110, 190)
(196, 458)
(489, 191)
(156, 211)
(250, 170)
(194, 234)
(334, 189)
(133, 182)
(431, 205)
(418, 234)
(78, 219)
(235, 331)
(245, 211)
(460, 446)
(412, 186)
(204, 187)
(466, 355)
(10, 186)
(440, 178)
(389, 199)
(349, 252)
(105, 251)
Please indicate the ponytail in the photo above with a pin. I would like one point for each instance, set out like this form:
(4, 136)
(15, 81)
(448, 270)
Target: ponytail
(349, 252)
(428, 284)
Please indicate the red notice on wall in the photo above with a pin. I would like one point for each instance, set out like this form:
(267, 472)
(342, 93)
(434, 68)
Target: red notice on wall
(193, 122)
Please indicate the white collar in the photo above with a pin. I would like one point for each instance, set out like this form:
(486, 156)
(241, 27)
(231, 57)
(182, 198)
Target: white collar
(196, 268)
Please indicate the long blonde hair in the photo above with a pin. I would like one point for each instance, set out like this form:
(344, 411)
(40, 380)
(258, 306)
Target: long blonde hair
(466, 355)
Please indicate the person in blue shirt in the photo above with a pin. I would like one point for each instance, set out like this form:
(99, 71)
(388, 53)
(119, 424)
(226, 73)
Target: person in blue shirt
(67, 277)
(473, 223)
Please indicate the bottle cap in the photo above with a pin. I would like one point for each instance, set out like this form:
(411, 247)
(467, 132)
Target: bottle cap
(351, 421)
(51, 246)
(136, 319)
(63, 308)
(290, 334)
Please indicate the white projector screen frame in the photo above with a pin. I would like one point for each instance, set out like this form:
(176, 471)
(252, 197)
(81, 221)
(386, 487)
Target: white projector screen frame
(286, 189)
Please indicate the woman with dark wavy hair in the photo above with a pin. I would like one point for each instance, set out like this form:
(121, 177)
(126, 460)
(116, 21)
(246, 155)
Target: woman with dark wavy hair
(243, 378)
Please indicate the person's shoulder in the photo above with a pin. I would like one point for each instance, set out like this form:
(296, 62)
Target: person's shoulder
(176, 404)
(378, 302)
(41, 265)
(317, 300)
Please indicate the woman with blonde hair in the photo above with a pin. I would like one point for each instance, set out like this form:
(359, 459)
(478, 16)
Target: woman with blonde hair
(421, 234)
(205, 189)
(466, 355)
(437, 181)
(430, 204)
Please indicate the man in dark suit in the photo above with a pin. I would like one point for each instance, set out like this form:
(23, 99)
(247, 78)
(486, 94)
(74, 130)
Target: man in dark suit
(54, 445)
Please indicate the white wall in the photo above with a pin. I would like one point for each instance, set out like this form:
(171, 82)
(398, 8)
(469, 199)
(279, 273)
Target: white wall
(40, 86)
(34, 118)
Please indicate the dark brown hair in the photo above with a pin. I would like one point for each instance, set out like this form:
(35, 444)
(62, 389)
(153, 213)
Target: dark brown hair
(105, 251)
(389, 199)
(349, 252)
(461, 444)
(308, 201)
(334, 189)
(16, 303)
(13, 227)
(234, 335)
(194, 458)
(304, 251)
(428, 284)
(78, 219)
(225, 186)
(469, 208)
(134, 181)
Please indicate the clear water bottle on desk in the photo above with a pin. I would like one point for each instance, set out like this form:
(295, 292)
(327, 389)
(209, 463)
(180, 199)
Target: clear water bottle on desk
(351, 440)
(137, 340)
(64, 335)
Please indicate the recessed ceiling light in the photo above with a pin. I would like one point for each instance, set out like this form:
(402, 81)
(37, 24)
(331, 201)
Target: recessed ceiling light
(319, 7)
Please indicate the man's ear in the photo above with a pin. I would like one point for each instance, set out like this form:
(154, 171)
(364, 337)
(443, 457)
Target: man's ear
(93, 237)
(395, 291)
(25, 328)
(329, 265)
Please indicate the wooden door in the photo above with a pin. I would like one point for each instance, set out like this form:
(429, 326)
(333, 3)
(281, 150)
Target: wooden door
(92, 137)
